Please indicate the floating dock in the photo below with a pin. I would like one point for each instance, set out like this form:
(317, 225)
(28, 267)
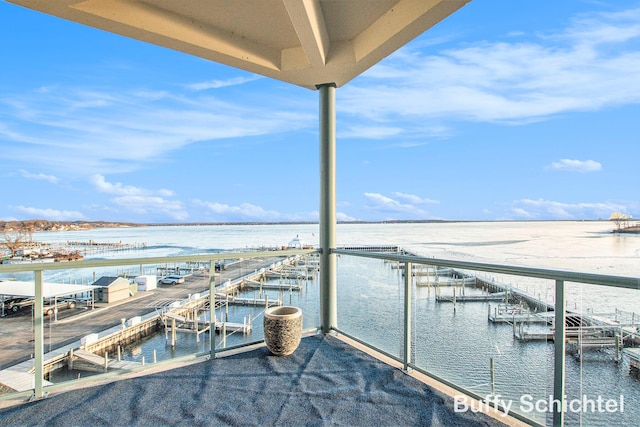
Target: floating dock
(445, 281)
(634, 357)
(256, 302)
(250, 284)
(496, 296)
(511, 313)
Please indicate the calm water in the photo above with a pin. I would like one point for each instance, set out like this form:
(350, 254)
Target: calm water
(454, 344)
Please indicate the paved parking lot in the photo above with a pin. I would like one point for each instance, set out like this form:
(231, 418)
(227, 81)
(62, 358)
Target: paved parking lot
(16, 330)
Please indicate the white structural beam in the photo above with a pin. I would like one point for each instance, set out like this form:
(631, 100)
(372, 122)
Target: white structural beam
(308, 21)
(302, 42)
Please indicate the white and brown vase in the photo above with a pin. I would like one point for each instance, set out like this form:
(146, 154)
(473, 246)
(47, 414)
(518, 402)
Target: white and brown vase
(282, 329)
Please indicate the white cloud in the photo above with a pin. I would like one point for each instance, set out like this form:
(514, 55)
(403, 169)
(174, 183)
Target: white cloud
(120, 131)
(413, 199)
(145, 205)
(576, 165)
(370, 132)
(50, 214)
(591, 65)
(549, 209)
(118, 188)
(140, 200)
(402, 204)
(341, 216)
(244, 210)
(249, 212)
(39, 176)
(217, 84)
(521, 213)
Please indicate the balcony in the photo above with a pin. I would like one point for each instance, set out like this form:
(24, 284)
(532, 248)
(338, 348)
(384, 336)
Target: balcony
(429, 331)
(406, 348)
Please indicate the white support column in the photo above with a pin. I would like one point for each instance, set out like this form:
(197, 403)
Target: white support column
(559, 353)
(212, 305)
(408, 275)
(328, 296)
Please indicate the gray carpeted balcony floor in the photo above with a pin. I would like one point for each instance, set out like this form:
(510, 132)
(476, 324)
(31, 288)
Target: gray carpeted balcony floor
(325, 382)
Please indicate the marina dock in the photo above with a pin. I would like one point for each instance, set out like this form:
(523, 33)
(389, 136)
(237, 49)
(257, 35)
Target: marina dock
(101, 351)
(634, 357)
(94, 351)
(496, 296)
(583, 332)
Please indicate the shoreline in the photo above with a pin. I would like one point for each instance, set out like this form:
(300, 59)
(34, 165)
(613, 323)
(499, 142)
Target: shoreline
(40, 225)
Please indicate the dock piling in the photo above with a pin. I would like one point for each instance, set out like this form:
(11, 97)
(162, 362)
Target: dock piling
(224, 335)
(173, 333)
(492, 376)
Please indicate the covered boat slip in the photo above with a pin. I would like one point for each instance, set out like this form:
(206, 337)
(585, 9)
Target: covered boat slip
(18, 288)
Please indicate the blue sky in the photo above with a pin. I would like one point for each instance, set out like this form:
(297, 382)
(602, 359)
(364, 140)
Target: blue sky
(529, 113)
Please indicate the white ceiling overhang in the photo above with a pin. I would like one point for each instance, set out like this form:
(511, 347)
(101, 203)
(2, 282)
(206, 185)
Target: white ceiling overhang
(303, 42)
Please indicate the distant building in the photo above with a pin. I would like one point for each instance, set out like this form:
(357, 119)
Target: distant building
(111, 289)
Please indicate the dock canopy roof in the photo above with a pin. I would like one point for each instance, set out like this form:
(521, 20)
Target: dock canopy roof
(303, 42)
(19, 288)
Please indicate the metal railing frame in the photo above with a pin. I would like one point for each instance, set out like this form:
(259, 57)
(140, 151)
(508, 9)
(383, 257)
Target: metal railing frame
(559, 276)
(38, 270)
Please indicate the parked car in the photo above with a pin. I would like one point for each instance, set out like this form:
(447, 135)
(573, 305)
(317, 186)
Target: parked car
(172, 279)
(60, 304)
(17, 304)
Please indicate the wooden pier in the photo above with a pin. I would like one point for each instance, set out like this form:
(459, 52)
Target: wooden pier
(83, 360)
(98, 350)
(445, 281)
(256, 302)
(290, 272)
(516, 313)
(497, 296)
(250, 284)
(634, 357)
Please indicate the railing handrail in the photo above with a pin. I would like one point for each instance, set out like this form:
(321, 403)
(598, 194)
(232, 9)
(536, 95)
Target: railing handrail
(540, 273)
(559, 276)
(118, 262)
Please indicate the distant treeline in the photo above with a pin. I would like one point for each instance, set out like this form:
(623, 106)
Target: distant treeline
(34, 225)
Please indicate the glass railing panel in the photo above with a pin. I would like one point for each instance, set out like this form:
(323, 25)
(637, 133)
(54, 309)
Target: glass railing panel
(465, 334)
(111, 318)
(491, 335)
(602, 355)
(16, 336)
(295, 283)
(370, 302)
